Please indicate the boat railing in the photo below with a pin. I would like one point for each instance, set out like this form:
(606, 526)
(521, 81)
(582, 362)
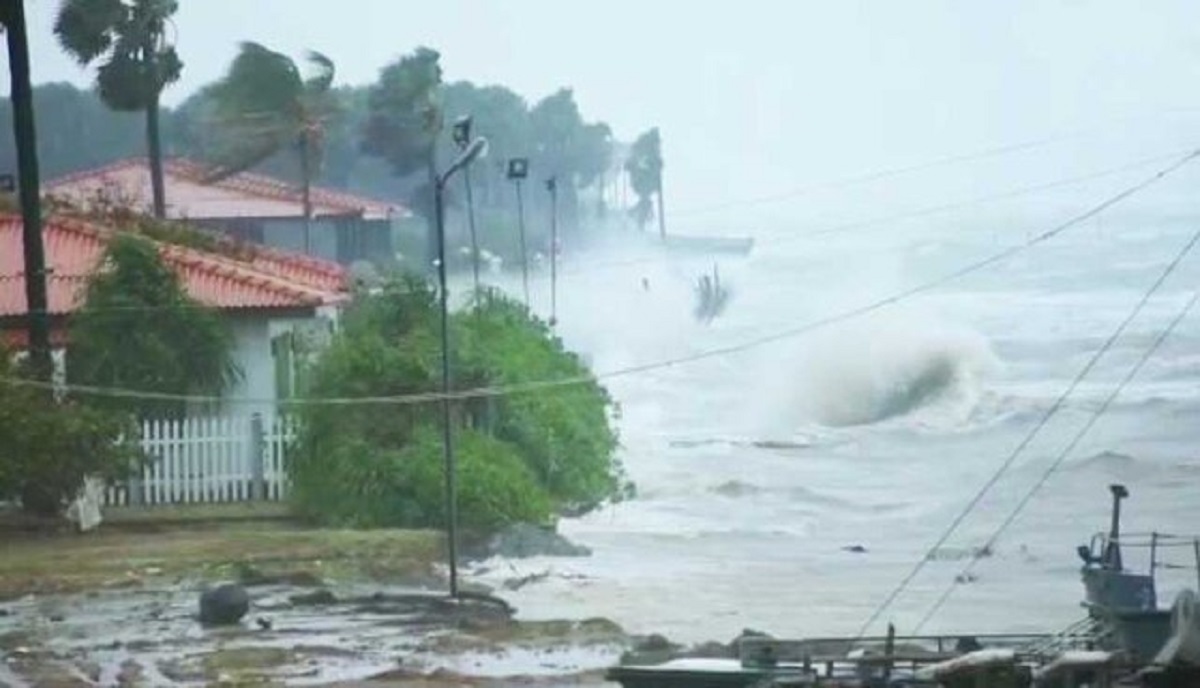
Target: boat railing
(1086, 634)
(875, 655)
(1157, 544)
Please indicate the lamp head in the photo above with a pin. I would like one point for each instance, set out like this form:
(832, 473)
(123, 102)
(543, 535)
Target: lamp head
(518, 168)
(460, 131)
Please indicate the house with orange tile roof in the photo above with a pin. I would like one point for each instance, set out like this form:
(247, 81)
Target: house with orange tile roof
(269, 298)
(250, 207)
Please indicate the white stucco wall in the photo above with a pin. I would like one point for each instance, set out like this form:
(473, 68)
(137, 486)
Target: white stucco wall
(252, 335)
(252, 352)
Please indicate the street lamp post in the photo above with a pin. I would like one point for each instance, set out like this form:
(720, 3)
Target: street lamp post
(552, 187)
(474, 150)
(461, 133)
(518, 170)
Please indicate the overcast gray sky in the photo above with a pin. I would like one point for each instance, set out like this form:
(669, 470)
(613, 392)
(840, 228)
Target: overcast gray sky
(753, 96)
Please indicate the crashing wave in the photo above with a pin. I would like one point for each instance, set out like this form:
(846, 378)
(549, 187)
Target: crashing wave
(888, 370)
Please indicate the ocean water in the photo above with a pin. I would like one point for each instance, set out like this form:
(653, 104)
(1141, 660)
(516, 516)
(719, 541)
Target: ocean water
(760, 471)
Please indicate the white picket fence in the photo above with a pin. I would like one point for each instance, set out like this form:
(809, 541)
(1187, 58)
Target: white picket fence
(210, 460)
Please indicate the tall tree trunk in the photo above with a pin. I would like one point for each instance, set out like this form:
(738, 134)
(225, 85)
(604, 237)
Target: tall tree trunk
(662, 216)
(154, 145)
(31, 212)
(306, 191)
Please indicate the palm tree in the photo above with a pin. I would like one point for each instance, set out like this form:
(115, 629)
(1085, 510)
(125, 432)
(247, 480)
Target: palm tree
(404, 118)
(264, 106)
(645, 168)
(129, 38)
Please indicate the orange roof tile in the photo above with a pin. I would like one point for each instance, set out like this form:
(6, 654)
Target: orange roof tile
(74, 248)
(189, 196)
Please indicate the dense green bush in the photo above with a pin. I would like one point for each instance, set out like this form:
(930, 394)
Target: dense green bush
(48, 445)
(521, 457)
(139, 329)
(563, 432)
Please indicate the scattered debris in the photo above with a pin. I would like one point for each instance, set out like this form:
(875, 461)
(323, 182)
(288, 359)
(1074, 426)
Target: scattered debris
(855, 549)
(224, 605)
(252, 577)
(518, 583)
(525, 540)
(315, 598)
(961, 553)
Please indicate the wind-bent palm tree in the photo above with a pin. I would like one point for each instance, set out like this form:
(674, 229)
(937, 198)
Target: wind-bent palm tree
(128, 38)
(264, 106)
(645, 168)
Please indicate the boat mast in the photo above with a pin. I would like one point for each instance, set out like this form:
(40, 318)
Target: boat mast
(1112, 553)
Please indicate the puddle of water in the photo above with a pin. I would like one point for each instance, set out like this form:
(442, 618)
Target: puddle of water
(360, 636)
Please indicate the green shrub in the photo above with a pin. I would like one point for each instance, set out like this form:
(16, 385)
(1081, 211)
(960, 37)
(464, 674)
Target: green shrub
(139, 329)
(48, 446)
(563, 432)
(520, 456)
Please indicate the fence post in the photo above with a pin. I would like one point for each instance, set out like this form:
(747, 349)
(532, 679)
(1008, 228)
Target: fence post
(257, 445)
(136, 489)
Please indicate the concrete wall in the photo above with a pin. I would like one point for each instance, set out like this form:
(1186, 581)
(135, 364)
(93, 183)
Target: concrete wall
(253, 334)
(289, 234)
(252, 352)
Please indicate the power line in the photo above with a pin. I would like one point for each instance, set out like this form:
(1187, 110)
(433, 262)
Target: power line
(875, 176)
(979, 200)
(909, 214)
(1066, 452)
(538, 385)
(832, 229)
(1029, 437)
(865, 178)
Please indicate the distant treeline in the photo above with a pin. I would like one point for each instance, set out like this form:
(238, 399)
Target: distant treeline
(76, 131)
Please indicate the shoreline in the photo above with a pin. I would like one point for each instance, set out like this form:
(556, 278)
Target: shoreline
(117, 606)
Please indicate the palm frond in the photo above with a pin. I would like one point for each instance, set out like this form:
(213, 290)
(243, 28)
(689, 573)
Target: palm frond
(123, 84)
(259, 80)
(323, 73)
(85, 28)
(243, 158)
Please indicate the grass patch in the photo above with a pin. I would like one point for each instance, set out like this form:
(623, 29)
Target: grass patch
(118, 557)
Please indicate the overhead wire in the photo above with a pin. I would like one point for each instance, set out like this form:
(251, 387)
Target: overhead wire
(875, 176)
(1042, 422)
(1053, 468)
(864, 178)
(908, 214)
(589, 268)
(538, 385)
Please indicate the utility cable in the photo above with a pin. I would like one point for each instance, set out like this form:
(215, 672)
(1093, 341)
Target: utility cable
(860, 179)
(1028, 439)
(875, 176)
(908, 214)
(588, 268)
(1063, 456)
(538, 385)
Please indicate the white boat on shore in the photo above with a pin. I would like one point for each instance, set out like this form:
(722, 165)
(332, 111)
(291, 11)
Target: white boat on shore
(709, 244)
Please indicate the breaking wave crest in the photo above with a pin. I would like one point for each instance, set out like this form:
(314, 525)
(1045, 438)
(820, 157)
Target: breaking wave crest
(886, 369)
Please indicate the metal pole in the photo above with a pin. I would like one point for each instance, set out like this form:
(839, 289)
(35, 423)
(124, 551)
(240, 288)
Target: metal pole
(524, 250)
(1196, 553)
(553, 187)
(471, 227)
(306, 193)
(27, 168)
(447, 433)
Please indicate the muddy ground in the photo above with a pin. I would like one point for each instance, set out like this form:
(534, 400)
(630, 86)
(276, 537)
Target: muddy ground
(118, 607)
